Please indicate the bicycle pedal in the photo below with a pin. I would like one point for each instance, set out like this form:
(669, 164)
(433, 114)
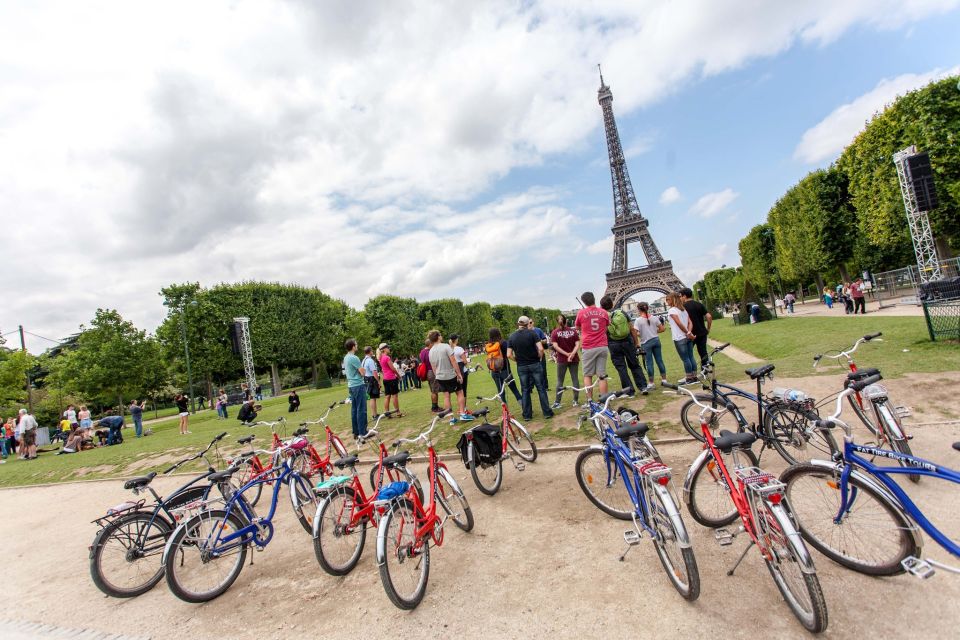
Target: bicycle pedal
(520, 466)
(903, 412)
(918, 567)
(631, 537)
(259, 548)
(724, 537)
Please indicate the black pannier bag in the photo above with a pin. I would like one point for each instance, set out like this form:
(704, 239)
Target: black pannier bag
(488, 443)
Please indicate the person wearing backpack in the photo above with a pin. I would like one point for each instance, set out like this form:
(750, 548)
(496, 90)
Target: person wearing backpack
(622, 342)
(499, 365)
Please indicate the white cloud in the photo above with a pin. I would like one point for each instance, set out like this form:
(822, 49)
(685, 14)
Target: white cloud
(638, 146)
(604, 246)
(669, 196)
(711, 204)
(331, 144)
(830, 136)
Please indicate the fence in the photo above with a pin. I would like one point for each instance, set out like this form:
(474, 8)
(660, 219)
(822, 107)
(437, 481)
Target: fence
(900, 286)
(941, 308)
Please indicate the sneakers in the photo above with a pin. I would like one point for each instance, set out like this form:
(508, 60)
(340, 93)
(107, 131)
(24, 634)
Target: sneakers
(684, 381)
(649, 388)
(466, 417)
(575, 404)
(555, 405)
(645, 391)
(436, 409)
(548, 417)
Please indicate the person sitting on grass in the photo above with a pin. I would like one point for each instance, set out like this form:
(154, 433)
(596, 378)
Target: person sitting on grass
(294, 401)
(73, 442)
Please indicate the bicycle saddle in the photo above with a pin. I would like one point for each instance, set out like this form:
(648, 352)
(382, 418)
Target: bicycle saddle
(300, 431)
(246, 439)
(397, 459)
(220, 476)
(761, 371)
(481, 412)
(727, 441)
(140, 481)
(956, 445)
(348, 461)
(635, 429)
(862, 373)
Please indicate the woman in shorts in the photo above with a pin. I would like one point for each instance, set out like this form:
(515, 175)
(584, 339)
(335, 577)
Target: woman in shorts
(391, 380)
(181, 402)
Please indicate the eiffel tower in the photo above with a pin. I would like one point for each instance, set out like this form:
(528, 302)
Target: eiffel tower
(629, 225)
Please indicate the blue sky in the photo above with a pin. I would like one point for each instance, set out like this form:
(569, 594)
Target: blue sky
(411, 147)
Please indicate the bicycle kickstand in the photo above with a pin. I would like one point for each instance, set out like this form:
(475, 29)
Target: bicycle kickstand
(740, 559)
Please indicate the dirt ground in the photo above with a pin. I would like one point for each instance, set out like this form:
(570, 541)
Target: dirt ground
(541, 561)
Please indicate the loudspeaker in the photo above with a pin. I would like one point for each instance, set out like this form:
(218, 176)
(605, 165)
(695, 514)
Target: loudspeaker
(921, 177)
(236, 338)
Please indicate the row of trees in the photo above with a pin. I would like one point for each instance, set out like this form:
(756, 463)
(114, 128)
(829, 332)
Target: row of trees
(850, 216)
(112, 361)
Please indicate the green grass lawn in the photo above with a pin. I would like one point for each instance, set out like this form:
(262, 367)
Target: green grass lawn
(791, 343)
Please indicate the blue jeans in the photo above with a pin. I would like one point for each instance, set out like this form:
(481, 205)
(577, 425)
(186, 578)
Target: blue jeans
(4, 445)
(358, 409)
(531, 375)
(501, 377)
(685, 350)
(654, 351)
(138, 425)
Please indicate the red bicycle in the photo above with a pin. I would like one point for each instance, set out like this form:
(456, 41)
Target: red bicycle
(485, 446)
(409, 527)
(347, 511)
(760, 501)
(308, 462)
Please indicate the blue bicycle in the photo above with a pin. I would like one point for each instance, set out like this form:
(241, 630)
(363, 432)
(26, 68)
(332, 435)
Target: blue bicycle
(626, 453)
(855, 513)
(205, 554)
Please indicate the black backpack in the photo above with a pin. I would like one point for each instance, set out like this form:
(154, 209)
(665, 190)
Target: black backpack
(487, 443)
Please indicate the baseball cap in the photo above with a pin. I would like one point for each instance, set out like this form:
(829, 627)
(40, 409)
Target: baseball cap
(383, 345)
(523, 320)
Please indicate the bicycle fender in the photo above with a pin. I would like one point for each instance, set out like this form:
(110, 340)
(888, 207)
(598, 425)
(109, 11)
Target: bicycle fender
(891, 422)
(881, 490)
(786, 524)
(683, 538)
(688, 480)
(448, 477)
(382, 536)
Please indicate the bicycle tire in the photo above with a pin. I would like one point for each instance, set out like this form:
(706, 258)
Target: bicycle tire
(863, 413)
(897, 443)
(516, 435)
(665, 520)
(786, 429)
(395, 538)
(252, 494)
(591, 471)
(333, 522)
(799, 589)
(713, 485)
(116, 531)
(189, 536)
(450, 496)
(815, 500)
(690, 417)
(482, 477)
(304, 501)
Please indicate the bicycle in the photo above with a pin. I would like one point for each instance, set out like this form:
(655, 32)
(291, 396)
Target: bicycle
(487, 469)
(130, 536)
(855, 513)
(409, 527)
(346, 511)
(881, 417)
(648, 485)
(217, 539)
(777, 426)
(760, 502)
(308, 461)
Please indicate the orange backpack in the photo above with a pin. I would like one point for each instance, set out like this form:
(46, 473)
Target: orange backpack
(495, 359)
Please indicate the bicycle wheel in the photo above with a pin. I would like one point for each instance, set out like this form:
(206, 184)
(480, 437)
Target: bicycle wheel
(893, 431)
(801, 590)
(304, 501)
(520, 440)
(793, 437)
(679, 562)
(451, 499)
(196, 572)
(487, 476)
(605, 489)
(338, 541)
(242, 477)
(872, 537)
(709, 499)
(865, 413)
(404, 562)
(125, 555)
(690, 417)
(303, 464)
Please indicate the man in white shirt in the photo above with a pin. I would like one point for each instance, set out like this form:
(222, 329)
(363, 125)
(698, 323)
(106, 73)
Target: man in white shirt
(27, 426)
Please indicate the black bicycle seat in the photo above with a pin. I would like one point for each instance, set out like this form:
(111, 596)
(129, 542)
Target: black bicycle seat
(862, 373)
(397, 459)
(246, 439)
(635, 429)
(140, 482)
(481, 412)
(220, 476)
(727, 441)
(758, 372)
(348, 461)
(956, 445)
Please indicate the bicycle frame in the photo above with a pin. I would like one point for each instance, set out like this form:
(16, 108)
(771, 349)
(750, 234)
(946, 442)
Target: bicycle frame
(426, 515)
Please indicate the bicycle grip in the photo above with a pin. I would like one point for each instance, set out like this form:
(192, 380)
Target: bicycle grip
(664, 383)
(722, 347)
(871, 336)
(220, 437)
(860, 385)
(824, 424)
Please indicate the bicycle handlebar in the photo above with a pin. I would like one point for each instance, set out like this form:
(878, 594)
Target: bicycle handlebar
(572, 388)
(720, 348)
(853, 387)
(497, 396)
(610, 396)
(198, 455)
(425, 435)
(727, 406)
(846, 354)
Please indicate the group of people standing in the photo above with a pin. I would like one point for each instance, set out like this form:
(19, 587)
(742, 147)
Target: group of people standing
(849, 294)
(378, 374)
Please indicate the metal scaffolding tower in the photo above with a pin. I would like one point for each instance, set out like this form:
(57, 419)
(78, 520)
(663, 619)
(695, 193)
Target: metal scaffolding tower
(923, 245)
(246, 350)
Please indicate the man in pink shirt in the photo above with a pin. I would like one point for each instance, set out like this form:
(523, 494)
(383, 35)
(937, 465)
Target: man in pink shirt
(592, 323)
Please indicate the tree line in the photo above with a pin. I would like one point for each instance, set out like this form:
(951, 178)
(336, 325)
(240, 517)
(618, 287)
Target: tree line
(849, 217)
(111, 361)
